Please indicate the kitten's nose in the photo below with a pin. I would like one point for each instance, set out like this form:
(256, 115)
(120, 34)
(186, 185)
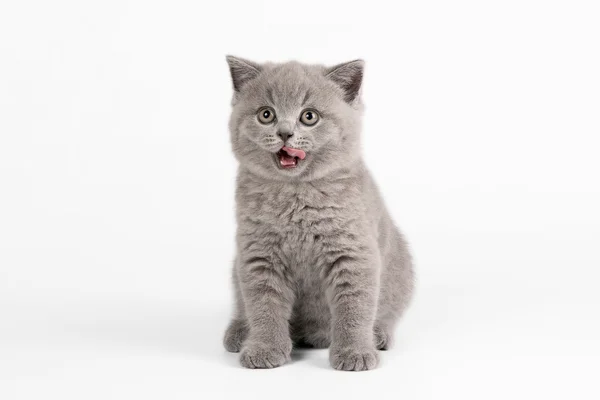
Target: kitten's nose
(284, 134)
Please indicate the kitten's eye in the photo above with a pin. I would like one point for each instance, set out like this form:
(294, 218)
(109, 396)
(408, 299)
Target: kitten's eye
(309, 117)
(266, 115)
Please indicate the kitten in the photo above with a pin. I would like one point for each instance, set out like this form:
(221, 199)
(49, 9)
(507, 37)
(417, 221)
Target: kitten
(319, 261)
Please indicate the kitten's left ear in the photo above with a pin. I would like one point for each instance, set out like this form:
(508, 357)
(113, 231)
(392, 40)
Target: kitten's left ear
(242, 71)
(349, 77)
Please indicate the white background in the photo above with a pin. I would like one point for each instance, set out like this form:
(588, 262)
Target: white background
(482, 128)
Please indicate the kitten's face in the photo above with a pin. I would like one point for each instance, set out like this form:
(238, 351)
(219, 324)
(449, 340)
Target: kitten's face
(293, 121)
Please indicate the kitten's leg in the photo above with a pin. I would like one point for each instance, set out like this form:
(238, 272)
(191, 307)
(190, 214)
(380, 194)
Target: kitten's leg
(235, 335)
(383, 336)
(397, 282)
(237, 331)
(268, 299)
(352, 282)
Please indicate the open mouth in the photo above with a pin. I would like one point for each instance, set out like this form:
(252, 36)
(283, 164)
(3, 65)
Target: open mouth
(289, 158)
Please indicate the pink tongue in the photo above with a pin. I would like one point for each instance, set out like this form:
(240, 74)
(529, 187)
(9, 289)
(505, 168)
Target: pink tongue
(287, 161)
(294, 152)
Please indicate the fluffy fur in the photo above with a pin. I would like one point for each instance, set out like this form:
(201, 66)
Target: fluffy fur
(319, 261)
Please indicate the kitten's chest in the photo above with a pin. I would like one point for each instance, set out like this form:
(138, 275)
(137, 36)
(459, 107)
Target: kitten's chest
(287, 214)
(295, 223)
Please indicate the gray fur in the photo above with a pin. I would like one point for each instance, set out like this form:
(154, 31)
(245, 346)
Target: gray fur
(319, 261)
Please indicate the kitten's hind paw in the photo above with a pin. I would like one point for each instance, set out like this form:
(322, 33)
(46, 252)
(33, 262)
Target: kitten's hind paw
(259, 355)
(353, 360)
(383, 338)
(236, 333)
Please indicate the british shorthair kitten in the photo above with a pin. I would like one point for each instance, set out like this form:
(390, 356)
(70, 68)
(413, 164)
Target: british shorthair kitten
(319, 261)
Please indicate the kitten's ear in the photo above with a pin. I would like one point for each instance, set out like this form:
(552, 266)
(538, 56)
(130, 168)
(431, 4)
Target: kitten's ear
(349, 77)
(242, 71)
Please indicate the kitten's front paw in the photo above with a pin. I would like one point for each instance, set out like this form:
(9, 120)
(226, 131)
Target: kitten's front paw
(350, 359)
(261, 355)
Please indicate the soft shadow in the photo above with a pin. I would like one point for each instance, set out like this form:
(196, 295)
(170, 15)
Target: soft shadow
(299, 354)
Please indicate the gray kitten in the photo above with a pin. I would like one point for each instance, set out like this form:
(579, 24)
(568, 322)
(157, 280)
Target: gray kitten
(319, 261)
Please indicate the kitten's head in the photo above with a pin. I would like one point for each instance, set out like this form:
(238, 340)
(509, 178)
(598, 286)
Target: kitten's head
(294, 121)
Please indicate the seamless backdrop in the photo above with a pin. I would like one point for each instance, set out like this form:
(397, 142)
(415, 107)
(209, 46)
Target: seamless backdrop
(116, 194)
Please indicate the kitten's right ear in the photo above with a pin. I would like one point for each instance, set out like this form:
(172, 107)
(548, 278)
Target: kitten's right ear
(349, 77)
(242, 71)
